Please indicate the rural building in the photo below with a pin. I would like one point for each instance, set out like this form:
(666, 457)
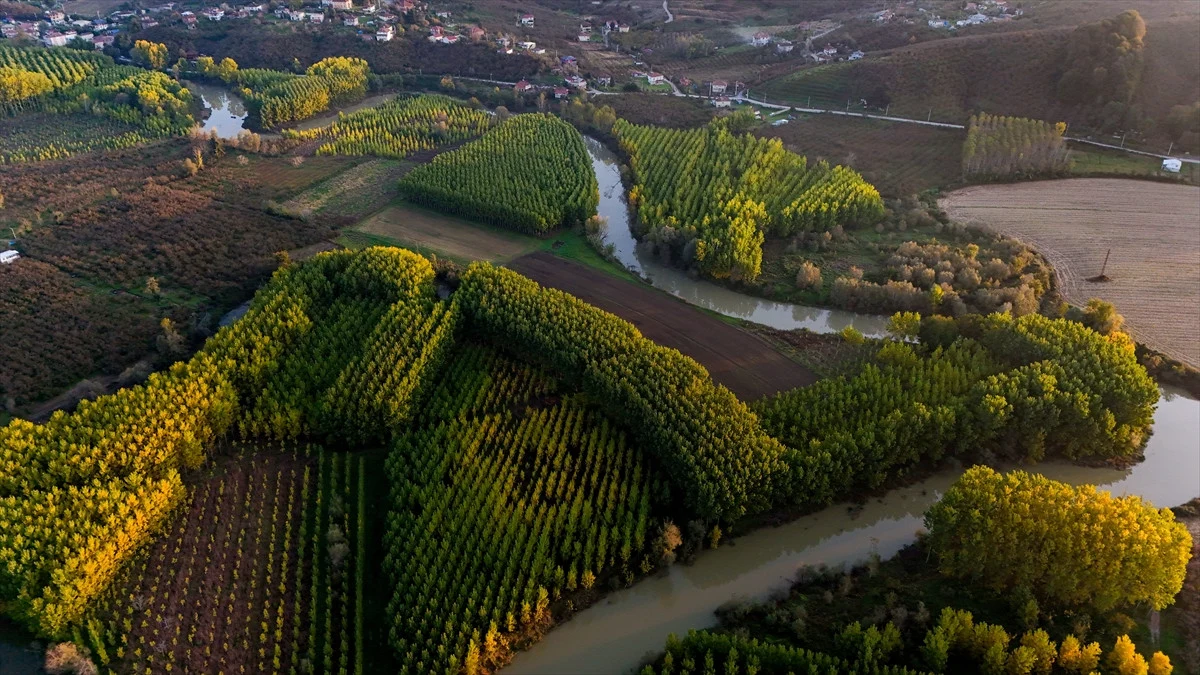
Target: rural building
(350, 21)
(55, 16)
(8, 257)
(443, 14)
(476, 33)
(604, 80)
(213, 13)
(577, 82)
(561, 92)
(527, 20)
(104, 41)
(760, 39)
(57, 39)
(385, 34)
(342, 5)
(1173, 165)
(189, 19)
(527, 46)
(405, 5)
(721, 102)
(436, 32)
(523, 86)
(585, 27)
(856, 55)
(655, 78)
(718, 86)
(623, 28)
(784, 46)
(584, 37)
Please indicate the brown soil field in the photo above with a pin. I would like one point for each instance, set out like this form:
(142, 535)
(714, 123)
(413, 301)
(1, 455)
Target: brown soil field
(745, 363)
(428, 230)
(899, 159)
(1152, 229)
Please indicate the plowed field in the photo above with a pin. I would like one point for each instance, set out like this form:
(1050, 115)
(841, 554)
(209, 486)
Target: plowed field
(1152, 229)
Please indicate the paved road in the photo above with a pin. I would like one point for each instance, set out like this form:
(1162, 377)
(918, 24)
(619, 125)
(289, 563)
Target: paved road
(670, 16)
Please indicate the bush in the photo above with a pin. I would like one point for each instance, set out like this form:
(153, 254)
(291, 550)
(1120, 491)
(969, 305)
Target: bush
(809, 276)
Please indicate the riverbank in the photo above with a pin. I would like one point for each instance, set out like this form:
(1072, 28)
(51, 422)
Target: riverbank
(614, 635)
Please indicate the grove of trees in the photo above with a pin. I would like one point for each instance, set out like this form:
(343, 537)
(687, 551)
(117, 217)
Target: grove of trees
(399, 127)
(1104, 68)
(1070, 546)
(710, 196)
(1013, 147)
(530, 173)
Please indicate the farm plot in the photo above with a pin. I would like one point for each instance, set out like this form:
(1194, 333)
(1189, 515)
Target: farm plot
(1153, 231)
(745, 364)
(256, 575)
(428, 231)
(899, 159)
(352, 193)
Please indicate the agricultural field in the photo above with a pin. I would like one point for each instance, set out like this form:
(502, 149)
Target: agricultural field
(1152, 231)
(749, 366)
(263, 178)
(353, 193)
(263, 571)
(43, 136)
(899, 159)
(428, 231)
(663, 111)
(92, 331)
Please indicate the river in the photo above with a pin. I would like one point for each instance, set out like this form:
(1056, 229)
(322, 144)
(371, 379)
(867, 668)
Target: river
(781, 315)
(616, 634)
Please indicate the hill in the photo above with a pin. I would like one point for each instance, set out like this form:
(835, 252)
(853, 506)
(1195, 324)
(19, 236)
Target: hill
(1012, 73)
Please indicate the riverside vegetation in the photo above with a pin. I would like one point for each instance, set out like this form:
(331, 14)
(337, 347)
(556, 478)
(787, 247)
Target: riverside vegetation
(356, 350)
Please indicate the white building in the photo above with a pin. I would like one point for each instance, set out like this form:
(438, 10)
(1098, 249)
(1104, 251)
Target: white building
(1173, 165)
(655, 78)
(718, 86)
(385, 34)
(8, 257)
(784, 46)
(57, 39)
(760, 39)
(527, 20)
(721, 102)
(342, 5)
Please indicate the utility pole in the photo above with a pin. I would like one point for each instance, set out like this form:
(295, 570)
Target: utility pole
(889, 107)
(1170, 147)
(930, 115)
(1123, 139)
(1105, 265)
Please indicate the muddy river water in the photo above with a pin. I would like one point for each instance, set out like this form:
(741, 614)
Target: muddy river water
(616, 634)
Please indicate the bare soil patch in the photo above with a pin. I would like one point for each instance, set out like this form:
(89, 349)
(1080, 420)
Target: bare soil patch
(428, 230)
(745, 363)
(1153, 231)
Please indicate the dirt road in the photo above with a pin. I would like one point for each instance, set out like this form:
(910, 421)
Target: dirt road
(745, 363)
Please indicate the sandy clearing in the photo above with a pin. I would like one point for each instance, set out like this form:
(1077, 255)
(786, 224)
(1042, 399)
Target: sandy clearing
(1153, 230)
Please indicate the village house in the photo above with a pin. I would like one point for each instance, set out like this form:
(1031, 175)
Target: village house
(213, 13)
(604, 80)
(623, 28)
(577, 82)
(721, 102)
(760, 39)
(56, 39)
(476, 33)
(655, 78)
(585, 27)
(316, 17)
(436, 32)
(103, 41)
(856, 55)
(527, 20)
(350, 20)
(385, 34)
(146, 23)
(783, 46)
(718, 86)
(8, 257)
(561, 92)
(523, 86)
(884, 16)
(342, 5)
(81, 23)
(8, 30)
(443, 14)
(527, 46)
(55, 16)
(584, 37)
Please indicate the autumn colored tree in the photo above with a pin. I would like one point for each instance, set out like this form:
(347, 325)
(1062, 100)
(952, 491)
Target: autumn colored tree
(1070, 546)
(153, 55)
